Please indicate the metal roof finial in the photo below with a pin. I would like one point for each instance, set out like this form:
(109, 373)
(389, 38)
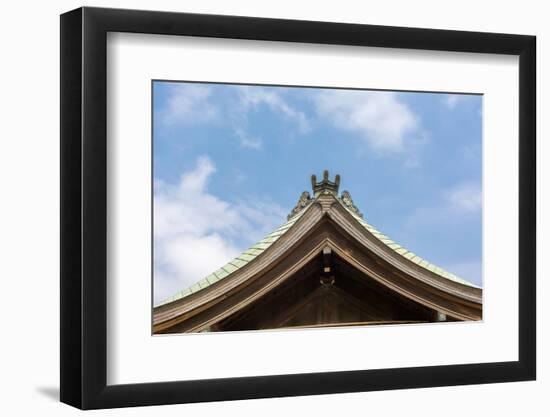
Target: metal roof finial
(325, 186)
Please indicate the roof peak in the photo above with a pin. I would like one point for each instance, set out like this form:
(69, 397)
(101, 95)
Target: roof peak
(345, 201)
(325, 186)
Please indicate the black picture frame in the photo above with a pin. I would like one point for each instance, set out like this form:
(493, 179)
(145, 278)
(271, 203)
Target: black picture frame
(84, 207)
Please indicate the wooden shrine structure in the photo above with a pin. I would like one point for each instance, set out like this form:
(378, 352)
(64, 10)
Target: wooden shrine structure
(326, 266)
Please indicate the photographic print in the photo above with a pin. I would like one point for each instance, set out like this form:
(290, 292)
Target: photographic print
(292, 207)
(293, 187)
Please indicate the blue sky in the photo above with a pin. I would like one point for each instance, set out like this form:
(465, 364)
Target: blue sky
(230, 162)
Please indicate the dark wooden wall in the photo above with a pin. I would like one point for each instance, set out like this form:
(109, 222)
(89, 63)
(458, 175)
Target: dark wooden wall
(308, 299)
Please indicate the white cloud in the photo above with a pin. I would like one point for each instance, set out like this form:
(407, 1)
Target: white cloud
(189, 104)
(196, 232)
(465, 196)
(252, 97)
(246, 139)
(451, 101)
(193, 104)
(381, 119)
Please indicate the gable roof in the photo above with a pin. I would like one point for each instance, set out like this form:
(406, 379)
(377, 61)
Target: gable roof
(304, 203)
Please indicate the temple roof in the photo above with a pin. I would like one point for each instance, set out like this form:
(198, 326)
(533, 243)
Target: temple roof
(305, 201)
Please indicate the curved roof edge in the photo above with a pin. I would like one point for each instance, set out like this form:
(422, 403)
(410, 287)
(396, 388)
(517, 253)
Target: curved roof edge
(407, 254)
(237, 263)
(256, 250)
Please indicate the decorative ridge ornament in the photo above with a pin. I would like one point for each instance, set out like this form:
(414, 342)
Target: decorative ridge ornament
(302, 203)
(348, 202)
(325, 186)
